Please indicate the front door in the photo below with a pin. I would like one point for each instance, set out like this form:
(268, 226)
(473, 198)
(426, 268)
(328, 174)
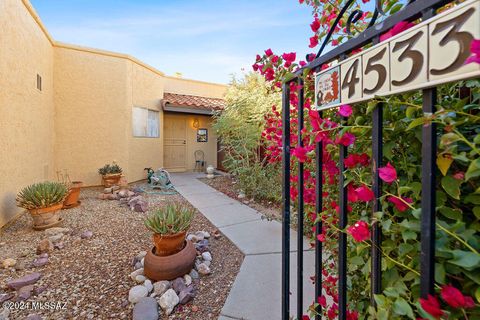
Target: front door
(175, 143)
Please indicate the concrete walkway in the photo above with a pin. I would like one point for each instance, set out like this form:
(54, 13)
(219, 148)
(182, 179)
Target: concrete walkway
(256, 293)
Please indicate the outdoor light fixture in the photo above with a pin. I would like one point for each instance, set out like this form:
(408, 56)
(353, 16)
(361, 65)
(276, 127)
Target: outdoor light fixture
(196, 124)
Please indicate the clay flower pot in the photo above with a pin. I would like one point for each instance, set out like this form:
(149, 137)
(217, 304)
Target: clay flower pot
(168, 244)
(158, 268)
(111, 179)
(45, 218)
(73, 194)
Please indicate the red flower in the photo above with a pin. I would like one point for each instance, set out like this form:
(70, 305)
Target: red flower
(459, 175)
(352, 315)
(345, 110)
(275, 59)
(398, 28)
(364, 193)
(315, 25)
(455, 298)
(268, 52)
(334, 42)
(322, 301)
(346, 140)
(313, 42)
(300, 153)
(359, 231)
(321, 237)
(258, 58)
(399, 204)
(290, 57)
(388, 173)
(475, 50)
(311, 57)
(305, 317)
(431, 306)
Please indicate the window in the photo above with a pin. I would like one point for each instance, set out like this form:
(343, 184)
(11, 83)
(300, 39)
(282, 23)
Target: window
(39, 82)
(145, 123)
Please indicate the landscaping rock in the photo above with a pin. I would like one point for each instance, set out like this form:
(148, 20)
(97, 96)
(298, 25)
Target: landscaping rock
(194, 274)
(207, 263)
(24, 281)
(5, 297)
(135, 273)
(20, 266)
(56, 230)
(207, 256)
(9, 262)
(146, 309)
(141, 255)
(199, 235)
(56, 238)
(138, 265)
(148, 284)
(206, 234)
(160, 287)
(140, 278)
(188, 279)
(86, 234)
(59, 245)
(107, 190)
(24, 293)
(32, 316)
(39, 290)
(203, 269)
(186, 295)
(168, 301)
(178, 285)
(4, 314)
(40, 262)
(136, 293)
(202, 245)
(123, 193)
(45, 246)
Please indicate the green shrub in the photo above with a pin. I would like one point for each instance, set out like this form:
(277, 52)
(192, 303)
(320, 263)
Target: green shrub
(41, 195)
(239, 127)
(170, 219)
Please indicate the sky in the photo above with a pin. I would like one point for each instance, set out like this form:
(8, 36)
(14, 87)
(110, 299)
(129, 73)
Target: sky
(207, 40)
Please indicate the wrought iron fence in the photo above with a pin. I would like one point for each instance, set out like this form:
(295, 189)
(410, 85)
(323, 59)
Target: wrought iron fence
(423, 10)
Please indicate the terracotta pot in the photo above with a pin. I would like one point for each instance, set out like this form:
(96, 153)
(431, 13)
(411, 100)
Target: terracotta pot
(112, 179)
(168, 244)
(170, 267)
(73, 194)
(45, 218)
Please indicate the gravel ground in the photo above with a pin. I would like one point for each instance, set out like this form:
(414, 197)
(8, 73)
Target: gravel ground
(227, 185)
(92, 275)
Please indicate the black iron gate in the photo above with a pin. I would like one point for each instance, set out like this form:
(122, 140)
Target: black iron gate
(414, 10)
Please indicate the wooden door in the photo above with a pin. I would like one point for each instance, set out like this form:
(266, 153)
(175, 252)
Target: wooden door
(175, 143)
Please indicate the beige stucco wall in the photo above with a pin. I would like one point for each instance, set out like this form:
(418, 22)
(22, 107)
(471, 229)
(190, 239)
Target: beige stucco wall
(146, 91)
(92, 115)
(194, 87)
(209, 148)
(26, 114)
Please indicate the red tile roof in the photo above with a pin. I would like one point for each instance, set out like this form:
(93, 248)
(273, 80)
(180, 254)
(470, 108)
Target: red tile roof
(193, 102)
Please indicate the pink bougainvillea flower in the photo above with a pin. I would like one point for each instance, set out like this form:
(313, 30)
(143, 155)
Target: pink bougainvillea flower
(293, 193)
(431, 306)
(290, 57)
(387, 173)
(352, 195)
(346, 139)
(351, 161)
(459, 175)
(399, 204)
(300, 153)
(345, 110)
(311, 57)
(258, 58)
(321, 237)
(315, 25)
(313, 42)
(305, 317)
(334, 42)
(322, 300)
(359, 231)
(268, 52)
(454, 298)
(398, 28)
(475, 50)
(275, 59)
(352, 315)
(364, 193)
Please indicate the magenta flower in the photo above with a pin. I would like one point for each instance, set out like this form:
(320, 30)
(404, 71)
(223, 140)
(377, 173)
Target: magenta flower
(364, 193)
(359, 231)
(345, 110)
(387, 173)
(475, 50)
(399, 204)
(398, 28)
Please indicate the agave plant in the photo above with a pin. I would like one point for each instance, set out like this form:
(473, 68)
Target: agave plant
(41, 195)
(170, 219)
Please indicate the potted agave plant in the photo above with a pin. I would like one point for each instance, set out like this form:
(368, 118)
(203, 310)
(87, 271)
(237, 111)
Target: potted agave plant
(172, 255)
(73, 188)
(44, 201)
(111, 174)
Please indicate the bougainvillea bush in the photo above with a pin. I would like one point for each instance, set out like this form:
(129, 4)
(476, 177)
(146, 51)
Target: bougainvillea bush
(457, 263)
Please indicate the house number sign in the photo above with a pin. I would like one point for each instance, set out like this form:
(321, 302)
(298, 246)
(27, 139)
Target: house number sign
(429, 54)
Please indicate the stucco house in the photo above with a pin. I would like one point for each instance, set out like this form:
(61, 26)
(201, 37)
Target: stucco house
(65, 107)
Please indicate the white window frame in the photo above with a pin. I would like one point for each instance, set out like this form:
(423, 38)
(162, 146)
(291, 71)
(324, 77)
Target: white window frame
(145, 123)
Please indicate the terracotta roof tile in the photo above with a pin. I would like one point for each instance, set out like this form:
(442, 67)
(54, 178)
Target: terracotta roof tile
(195, 102)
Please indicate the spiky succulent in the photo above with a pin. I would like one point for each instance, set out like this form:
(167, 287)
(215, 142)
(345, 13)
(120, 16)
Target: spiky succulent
(170, 219)
(41, 195)
(110, 169)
